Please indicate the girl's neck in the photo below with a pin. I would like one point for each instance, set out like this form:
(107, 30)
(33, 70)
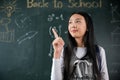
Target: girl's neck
(80, 43)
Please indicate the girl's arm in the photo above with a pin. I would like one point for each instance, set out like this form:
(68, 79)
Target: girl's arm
(104, 70)
(57, 68)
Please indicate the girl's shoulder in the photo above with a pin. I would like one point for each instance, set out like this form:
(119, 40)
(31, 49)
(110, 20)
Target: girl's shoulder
(101, 49)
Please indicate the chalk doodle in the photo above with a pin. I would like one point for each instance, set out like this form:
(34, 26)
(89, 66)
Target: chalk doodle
(115, 13)
(6, 33)
(116, 36)
(27, 36)
(7, 36)
(9, 7)
(4, 22)
(22, 21)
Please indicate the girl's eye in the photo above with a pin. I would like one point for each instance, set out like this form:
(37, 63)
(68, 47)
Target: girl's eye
(78, 21)
(70, 22)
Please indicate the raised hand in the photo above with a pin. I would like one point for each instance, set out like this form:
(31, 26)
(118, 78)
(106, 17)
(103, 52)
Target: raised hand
(58, 44)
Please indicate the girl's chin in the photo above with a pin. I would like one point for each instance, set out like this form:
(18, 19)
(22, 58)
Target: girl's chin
(74, 36)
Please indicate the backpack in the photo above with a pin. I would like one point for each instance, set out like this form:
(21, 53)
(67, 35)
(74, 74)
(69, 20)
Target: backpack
(83, 68)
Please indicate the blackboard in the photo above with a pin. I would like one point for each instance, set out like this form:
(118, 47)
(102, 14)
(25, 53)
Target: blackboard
(25, 34)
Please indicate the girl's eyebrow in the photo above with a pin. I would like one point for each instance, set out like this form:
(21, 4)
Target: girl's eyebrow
(76, 19)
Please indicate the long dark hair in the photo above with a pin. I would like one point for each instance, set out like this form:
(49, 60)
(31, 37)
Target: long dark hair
(89, 43)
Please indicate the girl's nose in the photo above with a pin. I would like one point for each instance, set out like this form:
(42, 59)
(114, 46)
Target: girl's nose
(74, 25)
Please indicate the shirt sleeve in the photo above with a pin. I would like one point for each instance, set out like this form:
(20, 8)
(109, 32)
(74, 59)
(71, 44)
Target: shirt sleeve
(57, 68)
(104, 70)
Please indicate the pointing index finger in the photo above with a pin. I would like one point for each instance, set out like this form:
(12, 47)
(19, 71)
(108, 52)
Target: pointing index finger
(55, 33)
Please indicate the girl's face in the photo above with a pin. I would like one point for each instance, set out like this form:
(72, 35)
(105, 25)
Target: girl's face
(77, 26)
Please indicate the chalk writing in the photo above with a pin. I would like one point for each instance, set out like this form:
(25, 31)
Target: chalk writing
(27, 36)
(52, 36)
(82, 3)
(50, 33)
(50, 51)
(58, 4)
(52, 17)
(41, 4)
(58, 31)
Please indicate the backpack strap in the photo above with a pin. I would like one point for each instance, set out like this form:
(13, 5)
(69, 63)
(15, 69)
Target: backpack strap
(98, 57)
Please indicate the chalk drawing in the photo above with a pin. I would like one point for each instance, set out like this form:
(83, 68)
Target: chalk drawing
(116, 36)
(22, 21)
(27, 36)
(9, 7)
(115, 13)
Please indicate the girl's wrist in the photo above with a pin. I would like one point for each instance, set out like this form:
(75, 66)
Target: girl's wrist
(56, 55)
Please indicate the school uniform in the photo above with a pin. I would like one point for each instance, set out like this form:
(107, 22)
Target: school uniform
(58, 66)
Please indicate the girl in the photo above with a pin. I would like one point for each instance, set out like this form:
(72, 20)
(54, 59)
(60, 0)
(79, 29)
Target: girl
(81, 47)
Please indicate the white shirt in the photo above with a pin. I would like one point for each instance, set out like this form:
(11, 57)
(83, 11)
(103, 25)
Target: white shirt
(57, 65)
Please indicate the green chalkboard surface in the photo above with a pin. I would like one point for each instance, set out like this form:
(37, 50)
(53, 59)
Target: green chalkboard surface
(26, 37)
